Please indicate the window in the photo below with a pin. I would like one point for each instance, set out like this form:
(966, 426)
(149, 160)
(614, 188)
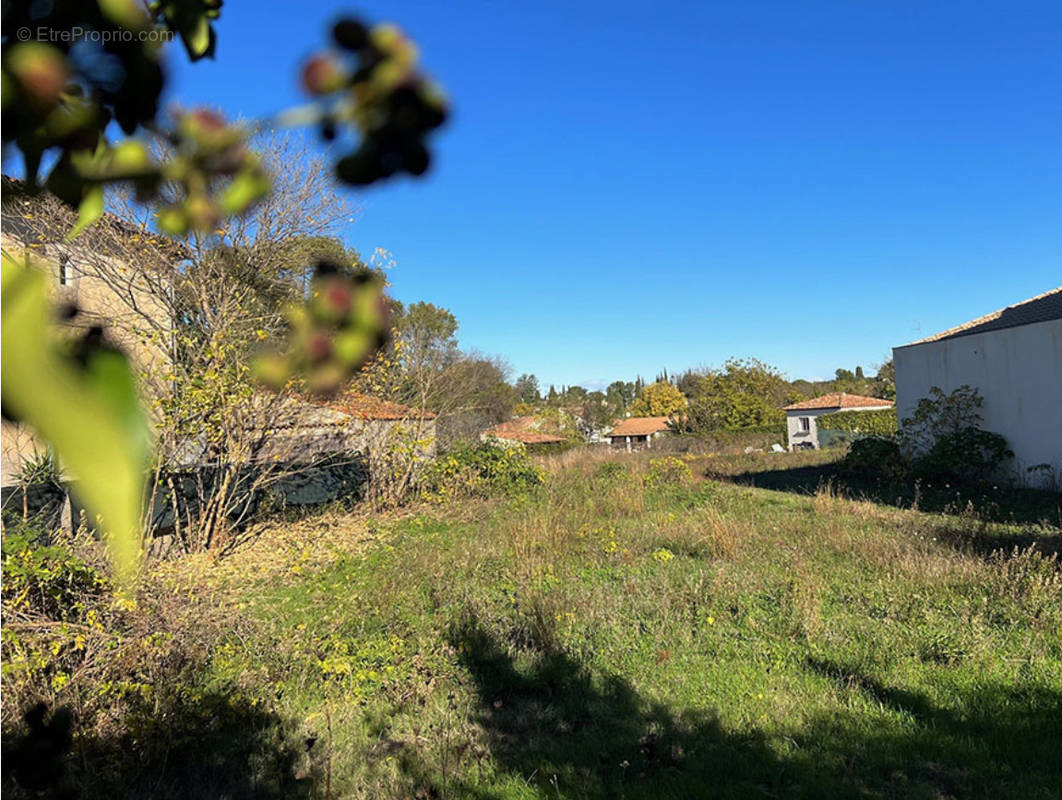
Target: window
(805, 424)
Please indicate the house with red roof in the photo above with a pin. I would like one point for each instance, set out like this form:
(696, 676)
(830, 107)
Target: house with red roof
(801, 417)
(635, 433)
(522, 430)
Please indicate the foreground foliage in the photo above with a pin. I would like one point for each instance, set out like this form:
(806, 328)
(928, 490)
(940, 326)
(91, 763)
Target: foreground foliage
(624, 629)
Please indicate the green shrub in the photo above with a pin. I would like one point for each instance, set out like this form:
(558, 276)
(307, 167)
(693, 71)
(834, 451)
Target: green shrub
(882, 422)
(479, 471)
(875, 458)
(968, 455)
(47, 580)
(944, 439)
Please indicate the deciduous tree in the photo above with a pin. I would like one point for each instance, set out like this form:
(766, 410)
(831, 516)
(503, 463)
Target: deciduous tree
(658, 399)
(745, 393)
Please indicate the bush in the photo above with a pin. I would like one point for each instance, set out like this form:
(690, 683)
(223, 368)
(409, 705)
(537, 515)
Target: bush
(875, 458)
(968, 455)
(49, 581)
(667, 470)
(479, 471)
(944, 439)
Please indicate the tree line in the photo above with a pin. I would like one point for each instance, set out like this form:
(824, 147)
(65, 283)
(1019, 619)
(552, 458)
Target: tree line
(741, 394)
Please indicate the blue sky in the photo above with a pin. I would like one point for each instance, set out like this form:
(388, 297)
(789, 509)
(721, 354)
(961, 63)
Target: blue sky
(628, 186)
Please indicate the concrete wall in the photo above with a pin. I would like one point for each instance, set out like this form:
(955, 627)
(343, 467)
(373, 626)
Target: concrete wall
(1018, 372)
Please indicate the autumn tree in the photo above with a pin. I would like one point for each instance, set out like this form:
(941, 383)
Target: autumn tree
(660, 399)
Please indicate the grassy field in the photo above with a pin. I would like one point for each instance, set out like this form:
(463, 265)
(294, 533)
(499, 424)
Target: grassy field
(630, 629)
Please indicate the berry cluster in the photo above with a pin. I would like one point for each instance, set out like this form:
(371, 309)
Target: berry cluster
(61, 102)
(374, 85)
(345, 321)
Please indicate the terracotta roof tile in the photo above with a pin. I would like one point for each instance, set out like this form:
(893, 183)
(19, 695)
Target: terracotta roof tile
(521, 430)
(1042, 308)
(640, 426)
(839, 400)
(364, 406)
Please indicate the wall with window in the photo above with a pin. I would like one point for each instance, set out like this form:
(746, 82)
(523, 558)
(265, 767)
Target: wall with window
(803, 432)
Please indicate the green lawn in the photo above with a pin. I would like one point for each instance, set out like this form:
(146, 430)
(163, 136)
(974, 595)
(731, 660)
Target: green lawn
(621, 632)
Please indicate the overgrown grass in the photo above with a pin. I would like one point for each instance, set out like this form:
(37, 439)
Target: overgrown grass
(627, 629)
(806, 472)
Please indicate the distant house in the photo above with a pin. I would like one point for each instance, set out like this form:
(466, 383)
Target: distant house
(348, 433)
(1013, 357)
(351, 423)
(635, 433)
(801, 418)
(522, 430)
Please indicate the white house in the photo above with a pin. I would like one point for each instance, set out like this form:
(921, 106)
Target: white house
(801, 417)
(1013, 357)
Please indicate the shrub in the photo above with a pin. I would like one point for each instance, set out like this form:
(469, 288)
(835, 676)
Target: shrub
(875, 458)
(667, 470)
(944, 439)
(968, 455)
(47, 580)
(479, 471)
(940, 414)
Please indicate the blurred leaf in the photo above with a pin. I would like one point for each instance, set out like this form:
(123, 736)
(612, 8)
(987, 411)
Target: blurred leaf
(246, 188)
(90, 210)
(198, 38)
(88, 412)
(127, 13)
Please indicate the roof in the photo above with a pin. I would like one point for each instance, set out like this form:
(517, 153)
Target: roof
(294, 412)
(521, 430)
(839, 400)
(1042, 308)
(365, 406)
(640, 426)
(42, 218)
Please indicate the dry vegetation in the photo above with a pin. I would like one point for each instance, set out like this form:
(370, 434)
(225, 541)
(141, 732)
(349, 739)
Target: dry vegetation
(630, 628)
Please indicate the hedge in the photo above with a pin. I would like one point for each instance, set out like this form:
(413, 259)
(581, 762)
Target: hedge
(881, 422)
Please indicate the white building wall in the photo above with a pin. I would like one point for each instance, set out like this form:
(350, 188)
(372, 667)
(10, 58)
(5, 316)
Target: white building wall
(798, 436)
(1018, 372)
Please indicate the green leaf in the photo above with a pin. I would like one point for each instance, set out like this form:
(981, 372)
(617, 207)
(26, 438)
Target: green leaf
(197, 38)
(90, 414)
(90, 210)
(246, 188)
